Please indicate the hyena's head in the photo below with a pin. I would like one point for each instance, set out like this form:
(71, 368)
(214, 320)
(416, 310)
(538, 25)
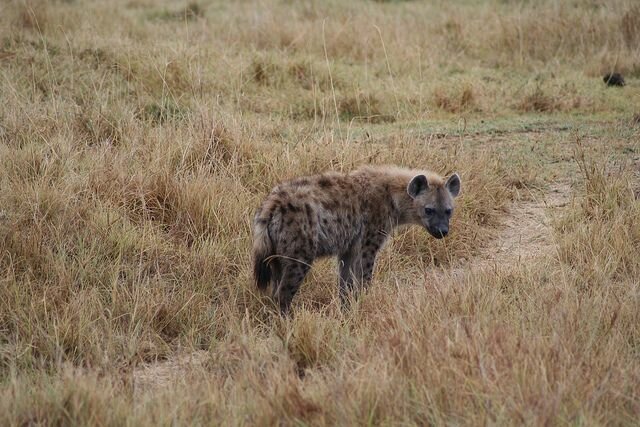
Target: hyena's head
(433, 202)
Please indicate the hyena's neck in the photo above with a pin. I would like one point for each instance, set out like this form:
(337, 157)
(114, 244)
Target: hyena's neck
(401, 210)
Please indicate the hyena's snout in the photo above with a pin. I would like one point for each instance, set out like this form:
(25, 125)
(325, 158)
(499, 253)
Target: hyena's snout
(438, 226)
(439, 231)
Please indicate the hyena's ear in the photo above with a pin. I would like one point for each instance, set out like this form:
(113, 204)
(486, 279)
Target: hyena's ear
(417, 185)
(453, 184)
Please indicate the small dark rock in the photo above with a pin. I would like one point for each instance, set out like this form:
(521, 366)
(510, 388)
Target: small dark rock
(614, 79)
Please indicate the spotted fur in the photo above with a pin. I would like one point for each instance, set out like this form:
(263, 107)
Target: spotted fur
(345, 215)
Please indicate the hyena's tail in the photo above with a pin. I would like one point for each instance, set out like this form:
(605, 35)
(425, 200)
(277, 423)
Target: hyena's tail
(262, 250)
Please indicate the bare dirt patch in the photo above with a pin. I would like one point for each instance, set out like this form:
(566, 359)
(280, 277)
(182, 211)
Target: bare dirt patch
(524, 235)
(152, 376)
(527, 230)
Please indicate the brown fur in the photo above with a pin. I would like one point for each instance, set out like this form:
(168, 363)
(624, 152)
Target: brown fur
(348, 215)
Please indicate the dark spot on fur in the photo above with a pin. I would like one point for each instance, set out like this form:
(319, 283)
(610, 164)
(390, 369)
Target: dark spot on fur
(332, 205)
(343, 186)
(293, 208)
(325, 182)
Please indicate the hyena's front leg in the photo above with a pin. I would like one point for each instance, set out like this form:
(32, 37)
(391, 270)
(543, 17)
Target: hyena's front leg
(370, 247)
(368, 262)
(351, 271)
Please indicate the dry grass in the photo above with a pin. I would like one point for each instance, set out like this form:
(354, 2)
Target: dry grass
(137, 138)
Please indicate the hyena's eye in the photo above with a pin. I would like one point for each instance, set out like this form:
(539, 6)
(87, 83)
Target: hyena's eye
(429, 211)
(448, 212)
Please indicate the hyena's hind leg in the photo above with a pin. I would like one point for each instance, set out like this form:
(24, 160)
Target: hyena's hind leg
(291, 276)
(276, 272)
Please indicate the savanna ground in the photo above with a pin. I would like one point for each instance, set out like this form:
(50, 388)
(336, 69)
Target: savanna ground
(137, 137)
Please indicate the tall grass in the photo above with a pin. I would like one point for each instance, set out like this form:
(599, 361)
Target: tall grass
(137, 138)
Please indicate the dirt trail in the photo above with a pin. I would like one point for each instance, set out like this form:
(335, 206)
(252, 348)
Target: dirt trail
(526, 231)
(525, 234)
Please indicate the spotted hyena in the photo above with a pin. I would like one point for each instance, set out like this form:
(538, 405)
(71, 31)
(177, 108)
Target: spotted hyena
(345, 215)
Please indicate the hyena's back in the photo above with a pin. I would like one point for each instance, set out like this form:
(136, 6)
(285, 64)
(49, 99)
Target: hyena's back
(304, 219)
